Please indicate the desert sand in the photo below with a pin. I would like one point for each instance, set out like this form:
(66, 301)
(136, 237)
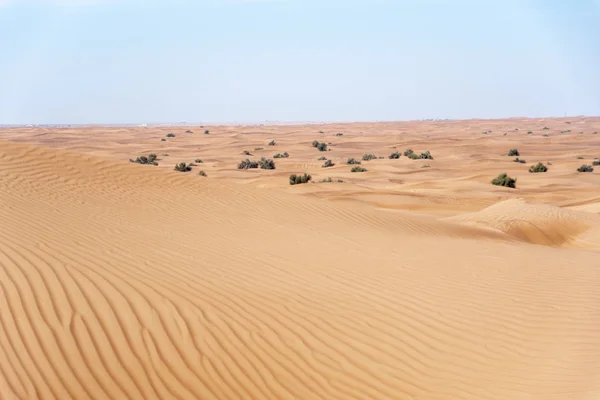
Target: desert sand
(128, 281)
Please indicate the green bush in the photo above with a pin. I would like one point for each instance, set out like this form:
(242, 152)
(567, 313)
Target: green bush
(170, 135)
(426, 166)
(358, 169)
(505, 180)
(182, 167)
(280, 155)
(369, 157)
(585, 168)
(272, 143)
(321, 132)
(299, 179)
(513, 152)
(315, 143)
(394, 156)
(539, 167)
(322, 146)
(352, 160)
(328, 164)
(202, 173)
(266, 163)
(199, 161)
(247, 164)
(580, 157)
(596, 163)
(426, 156)
(258, 148)
(151, 159)
(413, 156)
(163, 140)
(408, 152)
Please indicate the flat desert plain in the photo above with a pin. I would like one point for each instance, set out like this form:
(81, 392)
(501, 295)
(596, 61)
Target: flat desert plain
(417, 279)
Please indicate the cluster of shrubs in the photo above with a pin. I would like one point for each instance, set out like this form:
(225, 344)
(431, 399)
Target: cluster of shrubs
(320, 146)
(414, 156)
(513, 153)
(329, 180)
(352, 160)
(328, 164)
(264, 163)
(182, 167)
(299, 179)
(505, 180)
(369, 157)
(585, 168)
(394, 156)
(280, 155)
(151, 159)
(358, 168)
(539, 167)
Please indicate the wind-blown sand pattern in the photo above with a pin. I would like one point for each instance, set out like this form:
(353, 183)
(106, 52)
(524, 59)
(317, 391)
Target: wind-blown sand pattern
(126, 281)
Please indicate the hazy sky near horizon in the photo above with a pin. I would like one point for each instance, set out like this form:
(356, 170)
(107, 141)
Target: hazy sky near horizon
(121, 61)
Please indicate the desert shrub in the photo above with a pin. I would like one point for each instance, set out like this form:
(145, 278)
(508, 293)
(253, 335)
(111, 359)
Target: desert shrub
(247, 153)
(339, 134)
(520, 160)
(322, 146)
(585, 168)
(408, 152)
(545, 135)
(321, 132)
(258, 148)
(151, 159)
(329, 180)
(315, 143)
(165, 154)
(207, 132)
(266, 163)
(513, 152)
(192, 165)
(299, 179)
(426, 156)
(546, 128)
(170, 135)
(529, 132)
(426, 166)
(594, 133)
(247, 164)
(163, 140)
(369, 157)
(581, 133)
(328, 164)
(596, 163)
(358, 168)
(182, 167)
(188, 131)
(413, 156)
(549, 163)
(504, 180)
(199, 161)
(394, 156)
(321, 158)
(272, 143)
(202, 173)
(539, 167)
(280, 155)
(484, 133)
(352, 160)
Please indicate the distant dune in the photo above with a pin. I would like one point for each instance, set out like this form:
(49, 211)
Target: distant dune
(417, 279)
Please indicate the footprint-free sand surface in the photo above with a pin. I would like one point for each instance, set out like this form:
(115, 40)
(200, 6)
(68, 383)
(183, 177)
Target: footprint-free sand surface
(417, 279)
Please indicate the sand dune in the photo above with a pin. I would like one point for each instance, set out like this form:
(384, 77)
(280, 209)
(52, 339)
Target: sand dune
(123, 281)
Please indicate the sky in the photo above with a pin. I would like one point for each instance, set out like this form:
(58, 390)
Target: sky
(211, 61)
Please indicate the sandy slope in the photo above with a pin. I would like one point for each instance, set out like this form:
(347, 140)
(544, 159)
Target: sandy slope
(127, 281)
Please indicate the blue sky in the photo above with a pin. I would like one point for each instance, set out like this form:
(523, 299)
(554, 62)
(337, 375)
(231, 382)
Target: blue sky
(121, 61)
